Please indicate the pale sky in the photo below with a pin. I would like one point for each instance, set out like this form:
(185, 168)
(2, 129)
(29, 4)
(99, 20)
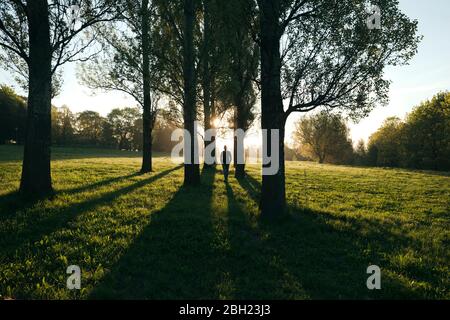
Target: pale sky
(427, 74)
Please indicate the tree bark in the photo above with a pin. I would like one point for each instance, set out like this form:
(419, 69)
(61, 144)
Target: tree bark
(206, 79)
(192, 169)
(239, 144)
(147, 107)
(273, 194)
(36, 174)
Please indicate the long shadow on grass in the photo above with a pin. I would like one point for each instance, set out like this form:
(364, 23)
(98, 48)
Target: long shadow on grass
(323, 261)
(99, 184)
(34, 229)
(256, 271)
(172, 257)
(12, 202)
(252, 186)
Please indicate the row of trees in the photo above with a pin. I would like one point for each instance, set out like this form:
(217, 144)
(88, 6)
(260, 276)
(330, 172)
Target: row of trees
(421, 141)
(207, 56)
(120, 129)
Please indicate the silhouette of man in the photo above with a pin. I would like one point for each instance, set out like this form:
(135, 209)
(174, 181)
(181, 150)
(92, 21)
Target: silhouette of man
(225, 158)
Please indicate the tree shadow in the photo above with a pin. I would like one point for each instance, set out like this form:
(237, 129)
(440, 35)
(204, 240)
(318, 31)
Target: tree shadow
(13, 202)
(252, 186)
(254, 267)
(172, 257)
(99, 184)
(326, 256)
(34, 227)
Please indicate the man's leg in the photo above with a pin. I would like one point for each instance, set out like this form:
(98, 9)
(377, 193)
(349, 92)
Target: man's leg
(226, 171)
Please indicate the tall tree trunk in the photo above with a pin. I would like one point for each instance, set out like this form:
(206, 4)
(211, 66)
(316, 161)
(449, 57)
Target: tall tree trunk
(238, 143)
(36, 175)
(273, 193)
(235, 140)
(192, 169)
(213, 116)
(147, 112)
(206, 79)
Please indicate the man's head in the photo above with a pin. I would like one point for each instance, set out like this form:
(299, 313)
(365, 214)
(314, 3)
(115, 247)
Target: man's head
(225, 148)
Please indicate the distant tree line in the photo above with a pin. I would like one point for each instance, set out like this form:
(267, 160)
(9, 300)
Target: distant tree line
(13, 113)
(421, 141)
(120, 129)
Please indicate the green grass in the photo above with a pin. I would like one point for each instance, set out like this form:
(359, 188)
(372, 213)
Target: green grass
(145, 236)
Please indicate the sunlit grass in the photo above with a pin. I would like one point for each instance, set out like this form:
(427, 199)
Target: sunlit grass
(145, 236)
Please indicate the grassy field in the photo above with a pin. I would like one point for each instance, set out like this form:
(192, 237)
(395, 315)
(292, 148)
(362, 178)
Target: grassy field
(145, 236)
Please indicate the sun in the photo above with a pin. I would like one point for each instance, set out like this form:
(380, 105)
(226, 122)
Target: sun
(215, 122)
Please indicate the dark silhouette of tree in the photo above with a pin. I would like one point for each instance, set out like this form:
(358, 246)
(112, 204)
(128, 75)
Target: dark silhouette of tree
(43, 34)
(322, 54)
(176, 46)
(126, 62)
(240, 68)
(192, 169)
(209, 65)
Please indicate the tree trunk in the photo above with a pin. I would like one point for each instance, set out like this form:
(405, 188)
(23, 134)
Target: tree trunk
(206, 79)
(213, 116)
(240, 170)
(235, 140)
(239, 144)
(273, 194)
(147, 142)
(192, 169)
(147, 112)
(36, 175)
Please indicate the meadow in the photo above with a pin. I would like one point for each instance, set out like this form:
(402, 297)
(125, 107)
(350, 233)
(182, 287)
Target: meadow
(148, 237)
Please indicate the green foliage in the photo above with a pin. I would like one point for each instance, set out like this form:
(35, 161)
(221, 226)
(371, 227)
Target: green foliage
(387, 141)
(167, 45)
(130, 245)
(119, 65)
(125, 124)
(120, 129)
(63, 126)
(12, 116)
(324, 137)
(66, 46)
(89, 127)
(421, 141)
(332, 59)
(235, 63)
(360, 153)
(162, 135)
(427, 134)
